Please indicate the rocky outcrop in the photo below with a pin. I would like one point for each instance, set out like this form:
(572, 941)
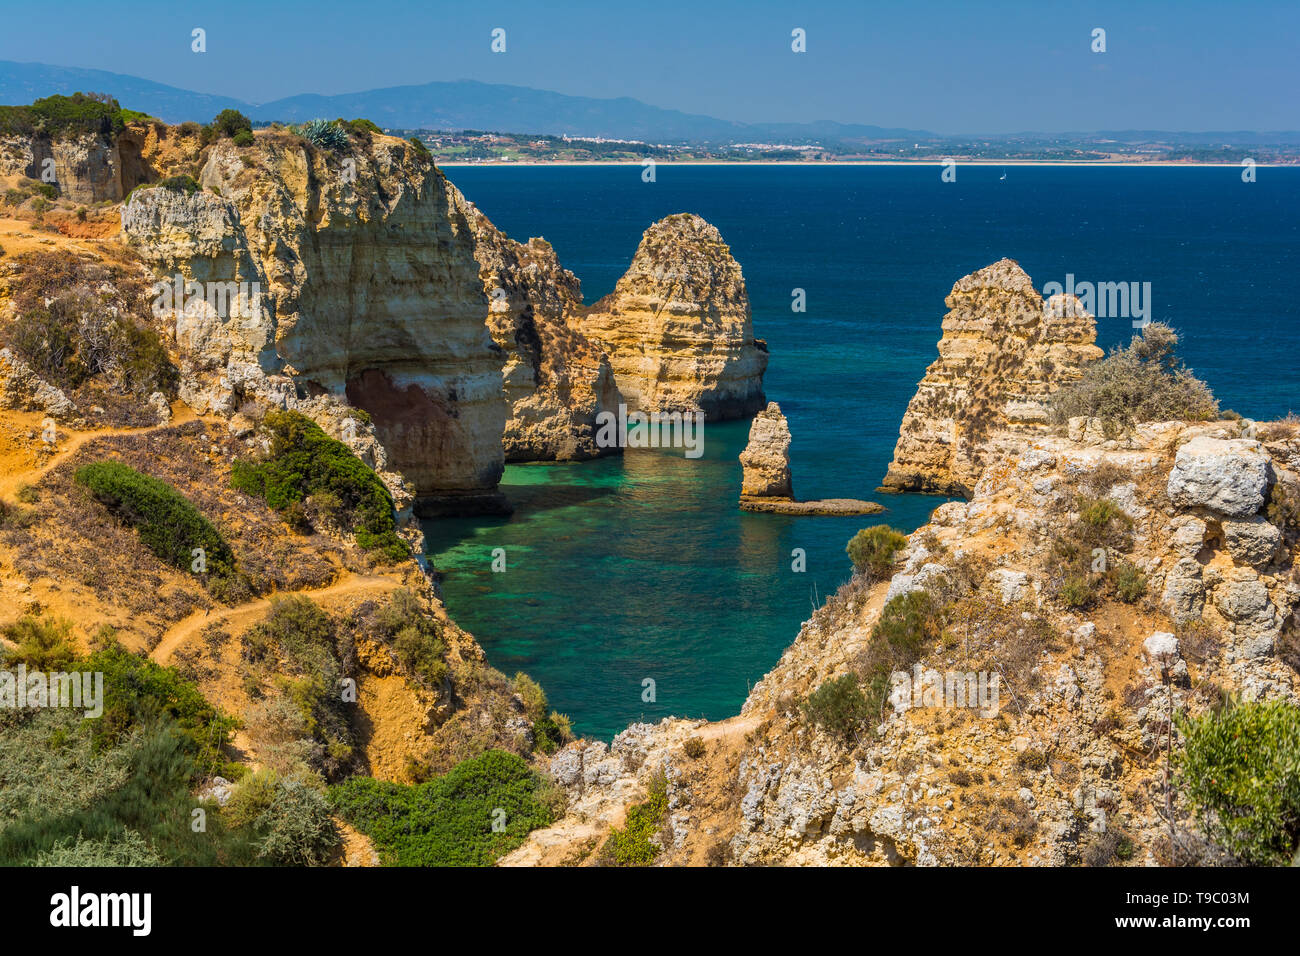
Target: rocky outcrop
(766, 459)
(86, 168)
(1003, 351)
(766, 486)
(317, 279)
(677, 327)
(1064, 756)
(556, 382)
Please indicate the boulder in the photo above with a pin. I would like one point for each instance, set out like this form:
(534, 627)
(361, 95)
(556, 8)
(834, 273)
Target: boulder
(1228, 475)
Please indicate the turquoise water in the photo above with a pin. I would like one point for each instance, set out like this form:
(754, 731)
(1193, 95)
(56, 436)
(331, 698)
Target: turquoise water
(642, 568)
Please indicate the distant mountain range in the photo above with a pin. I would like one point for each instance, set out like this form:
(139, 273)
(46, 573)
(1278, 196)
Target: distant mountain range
(468, 104)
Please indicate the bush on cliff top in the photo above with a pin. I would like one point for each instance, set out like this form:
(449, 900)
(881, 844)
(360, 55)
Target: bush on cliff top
(1240, 768)
(1142, 382)
(304, 461)
(872, 549)
(171, 527)
(453, 819)
(74, 115)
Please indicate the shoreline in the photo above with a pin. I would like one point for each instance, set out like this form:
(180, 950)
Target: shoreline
(863, 162)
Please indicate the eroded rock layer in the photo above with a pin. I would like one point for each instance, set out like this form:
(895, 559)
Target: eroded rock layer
(337, 276)
(556, 382)
(677, 327)
(1002, 353)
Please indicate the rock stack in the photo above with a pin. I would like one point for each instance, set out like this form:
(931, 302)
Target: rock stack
(677, 327)
(1003, 352)
(767, 487)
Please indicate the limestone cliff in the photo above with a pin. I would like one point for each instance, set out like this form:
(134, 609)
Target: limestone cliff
(87, 168)
(556, 382)
(1002, 352)
(1067, 765)
(677, 326)
(345, 276)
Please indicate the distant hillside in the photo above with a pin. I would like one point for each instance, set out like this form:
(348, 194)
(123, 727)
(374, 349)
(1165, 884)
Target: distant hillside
(469, 104)
(461, 104)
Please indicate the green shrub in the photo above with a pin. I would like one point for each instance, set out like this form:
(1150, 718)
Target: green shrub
(872, 549)
(421, 151)
(168, 523)
(296, 827)
(243, 138)
(128, 848)
(449, 820)
(1240, 769)
(304, 461)
(531, 693)
(308, 640)
(414, 638)
(1130, 583)
(230, 123)
(148, 792)
(138, 692)
(362, 125)
(1076, 591)
(1143, 382)
(637, 843)
(43, 645)
(179, 184)
(551, 732)
(325, 134)
(838, 707)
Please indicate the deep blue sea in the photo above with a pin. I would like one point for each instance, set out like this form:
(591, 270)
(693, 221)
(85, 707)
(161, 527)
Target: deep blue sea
(619, 571)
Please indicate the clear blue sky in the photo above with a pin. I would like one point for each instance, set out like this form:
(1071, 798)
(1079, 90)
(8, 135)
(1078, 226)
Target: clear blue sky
(950, 67)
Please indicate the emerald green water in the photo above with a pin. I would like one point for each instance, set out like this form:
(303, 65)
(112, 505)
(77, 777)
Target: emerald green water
(638, 567)
(642, 567)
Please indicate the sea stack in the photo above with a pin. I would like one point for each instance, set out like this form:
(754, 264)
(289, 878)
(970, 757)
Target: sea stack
(1003, 352)
(677, 327)
(767, 486)
(766, 459)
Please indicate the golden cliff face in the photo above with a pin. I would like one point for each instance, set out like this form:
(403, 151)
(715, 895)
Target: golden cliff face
(361, 286)
(677, 327)
(556, 382)
(1003, 351)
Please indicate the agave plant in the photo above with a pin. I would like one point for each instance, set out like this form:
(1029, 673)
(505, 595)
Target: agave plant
(325, 134)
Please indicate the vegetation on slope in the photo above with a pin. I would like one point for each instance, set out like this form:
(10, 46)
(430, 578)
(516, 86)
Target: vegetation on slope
(1141, 382)
(483, 808)
(168, 523)
(306, 465)
(1240, 768)
(78, 322)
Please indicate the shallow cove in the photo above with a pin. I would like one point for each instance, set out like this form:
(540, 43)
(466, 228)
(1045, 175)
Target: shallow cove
(624, 569)
(645, 568)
